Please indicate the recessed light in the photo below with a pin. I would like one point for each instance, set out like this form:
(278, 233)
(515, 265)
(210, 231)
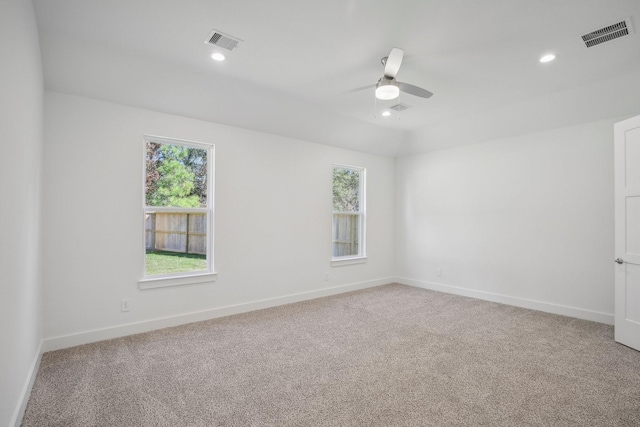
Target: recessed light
(547, 58)
(217, 56)
(386, 113)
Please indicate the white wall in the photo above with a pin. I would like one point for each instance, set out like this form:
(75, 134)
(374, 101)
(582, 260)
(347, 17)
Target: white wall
(273, 220)
(20, 145)
(526, 221)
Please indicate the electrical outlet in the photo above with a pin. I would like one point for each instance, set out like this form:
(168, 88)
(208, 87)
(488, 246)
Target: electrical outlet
(326, 276)
(438, 272)
(124, 305)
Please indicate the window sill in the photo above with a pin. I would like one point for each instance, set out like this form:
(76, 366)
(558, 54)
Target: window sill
(166, 281)
(337, 262)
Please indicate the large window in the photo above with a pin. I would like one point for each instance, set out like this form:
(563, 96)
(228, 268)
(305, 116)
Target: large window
(178, 212)
(348, 213)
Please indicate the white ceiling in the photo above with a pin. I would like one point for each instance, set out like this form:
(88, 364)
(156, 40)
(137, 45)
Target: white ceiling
(293, 73)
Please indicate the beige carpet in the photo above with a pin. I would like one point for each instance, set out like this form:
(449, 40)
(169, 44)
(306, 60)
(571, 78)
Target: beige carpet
(387, 356)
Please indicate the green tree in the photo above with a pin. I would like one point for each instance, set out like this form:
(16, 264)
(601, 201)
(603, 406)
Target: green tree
(346, 190)
(151, 175)
(196, 162)
(176, 176)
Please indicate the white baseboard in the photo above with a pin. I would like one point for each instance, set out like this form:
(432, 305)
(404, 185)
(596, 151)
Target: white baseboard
(65, 341)
(547, 307)
(26, 389)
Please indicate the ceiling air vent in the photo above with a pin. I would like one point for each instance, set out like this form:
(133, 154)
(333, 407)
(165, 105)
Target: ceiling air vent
(399, 107)
(611, 32)
(222, 40)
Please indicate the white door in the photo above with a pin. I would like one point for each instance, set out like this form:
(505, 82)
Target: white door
(627, 231)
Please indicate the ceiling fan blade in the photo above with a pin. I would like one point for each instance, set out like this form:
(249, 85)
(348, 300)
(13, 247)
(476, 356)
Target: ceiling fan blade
(358, 89)
(394, 60)
(414, 90)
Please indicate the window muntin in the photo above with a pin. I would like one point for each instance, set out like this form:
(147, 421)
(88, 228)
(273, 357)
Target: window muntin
(348, 230)
(178, 209)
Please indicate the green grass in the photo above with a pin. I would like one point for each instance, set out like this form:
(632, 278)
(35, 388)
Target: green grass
(161, 262)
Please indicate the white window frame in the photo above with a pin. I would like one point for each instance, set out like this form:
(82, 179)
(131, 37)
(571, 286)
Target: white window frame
(361, 257)
(182, 278)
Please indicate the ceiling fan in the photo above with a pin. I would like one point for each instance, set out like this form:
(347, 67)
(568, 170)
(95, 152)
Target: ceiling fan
(388, 87)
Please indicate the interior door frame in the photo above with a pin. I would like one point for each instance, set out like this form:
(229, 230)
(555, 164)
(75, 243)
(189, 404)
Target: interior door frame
(627, 331)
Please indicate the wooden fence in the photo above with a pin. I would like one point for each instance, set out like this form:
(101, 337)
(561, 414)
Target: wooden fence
(176, 232)
(346, 228)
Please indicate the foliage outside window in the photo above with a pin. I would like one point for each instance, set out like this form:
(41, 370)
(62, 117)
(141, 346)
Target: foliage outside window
(348, 232)
(177, 208)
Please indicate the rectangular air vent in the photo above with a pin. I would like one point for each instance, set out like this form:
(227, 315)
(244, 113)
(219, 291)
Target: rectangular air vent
(608, 33)
(399, 107)
(222, 40)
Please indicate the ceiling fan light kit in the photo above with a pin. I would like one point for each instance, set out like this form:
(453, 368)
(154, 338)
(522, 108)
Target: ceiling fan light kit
(387, 89)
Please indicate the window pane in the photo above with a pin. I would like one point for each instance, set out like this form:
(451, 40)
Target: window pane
(175, 242)
(175, 176)
(346, 190)
(346, 234)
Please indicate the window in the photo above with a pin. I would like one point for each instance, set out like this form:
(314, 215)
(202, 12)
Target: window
(348, 214)
(178, 212)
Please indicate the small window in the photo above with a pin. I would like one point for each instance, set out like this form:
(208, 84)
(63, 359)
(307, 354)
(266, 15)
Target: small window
(178, 211)
(348, 213)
